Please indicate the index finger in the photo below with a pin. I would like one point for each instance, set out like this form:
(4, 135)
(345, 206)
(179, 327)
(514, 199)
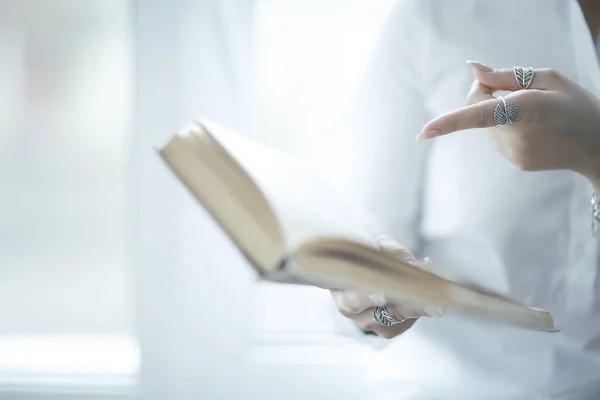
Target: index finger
(350, 302)
(480, 115)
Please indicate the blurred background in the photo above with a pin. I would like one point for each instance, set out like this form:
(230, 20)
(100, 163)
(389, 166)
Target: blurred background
(96, 299)
(67, 130)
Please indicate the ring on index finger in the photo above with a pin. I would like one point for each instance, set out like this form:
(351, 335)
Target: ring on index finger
(382, 317)
(505, 113)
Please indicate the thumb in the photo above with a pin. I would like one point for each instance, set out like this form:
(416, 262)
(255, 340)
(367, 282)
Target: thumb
(390, 246)
(400, 312)
(495, 79)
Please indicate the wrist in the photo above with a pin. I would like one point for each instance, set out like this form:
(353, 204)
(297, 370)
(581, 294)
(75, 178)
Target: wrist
(591, 171)
(595, 184)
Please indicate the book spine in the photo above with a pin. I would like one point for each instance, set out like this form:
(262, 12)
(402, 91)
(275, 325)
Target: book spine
(283, 263)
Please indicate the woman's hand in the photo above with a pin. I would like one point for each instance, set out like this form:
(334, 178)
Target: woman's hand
(359, 306)
(558, 126)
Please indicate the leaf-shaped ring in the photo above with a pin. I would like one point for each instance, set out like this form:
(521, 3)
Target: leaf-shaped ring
(505, 113)
(523, 76)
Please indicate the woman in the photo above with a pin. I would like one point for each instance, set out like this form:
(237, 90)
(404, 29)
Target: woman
(457, 186)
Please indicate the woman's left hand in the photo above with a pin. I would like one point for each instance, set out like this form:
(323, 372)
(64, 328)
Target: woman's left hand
(358, 306)
(558, 123)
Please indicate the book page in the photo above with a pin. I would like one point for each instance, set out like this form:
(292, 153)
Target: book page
(305, 206)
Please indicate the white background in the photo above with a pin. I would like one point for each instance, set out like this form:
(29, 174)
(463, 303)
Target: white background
(66, 137)
(64, 143)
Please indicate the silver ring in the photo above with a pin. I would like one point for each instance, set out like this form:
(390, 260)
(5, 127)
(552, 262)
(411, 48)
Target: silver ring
(382, 317)
(523, 76)
(505, 113)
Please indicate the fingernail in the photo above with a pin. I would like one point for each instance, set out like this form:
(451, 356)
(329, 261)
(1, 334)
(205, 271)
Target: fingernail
(479, 66)
(435, 312)
(377, 299)
(428, 134)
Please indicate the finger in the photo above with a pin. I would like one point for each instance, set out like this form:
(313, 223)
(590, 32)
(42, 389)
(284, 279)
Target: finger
(365, 321)
(350, 302)
(480, 115)
(401, 313)
(390, 246)
(478, 93)
(409, 316)
(504, 78)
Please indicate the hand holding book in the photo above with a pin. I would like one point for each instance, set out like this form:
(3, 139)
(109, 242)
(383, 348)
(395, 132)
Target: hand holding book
(291, 228)
(358, 306)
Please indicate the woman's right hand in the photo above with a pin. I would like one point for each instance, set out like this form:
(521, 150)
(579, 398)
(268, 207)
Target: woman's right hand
(557, 122)
(358, 306)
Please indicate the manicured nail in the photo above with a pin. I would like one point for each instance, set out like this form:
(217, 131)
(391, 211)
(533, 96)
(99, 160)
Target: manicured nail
(479, 66)
(428, 134)
(377, 299)
(435, 312)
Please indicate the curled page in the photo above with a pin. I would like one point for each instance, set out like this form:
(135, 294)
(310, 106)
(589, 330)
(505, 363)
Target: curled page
(305, 206)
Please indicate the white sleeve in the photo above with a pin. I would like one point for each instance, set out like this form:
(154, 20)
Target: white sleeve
(378, 163)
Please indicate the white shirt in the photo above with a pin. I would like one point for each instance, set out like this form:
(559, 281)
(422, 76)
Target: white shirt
(536, 224)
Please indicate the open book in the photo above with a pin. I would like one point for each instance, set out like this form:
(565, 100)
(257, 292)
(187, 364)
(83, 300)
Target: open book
(291, 228)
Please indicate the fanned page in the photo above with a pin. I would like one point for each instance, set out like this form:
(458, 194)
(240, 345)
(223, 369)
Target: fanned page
(305, 206)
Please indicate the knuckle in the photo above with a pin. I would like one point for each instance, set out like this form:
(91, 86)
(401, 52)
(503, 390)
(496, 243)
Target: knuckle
(552, 74)
(484, 118)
